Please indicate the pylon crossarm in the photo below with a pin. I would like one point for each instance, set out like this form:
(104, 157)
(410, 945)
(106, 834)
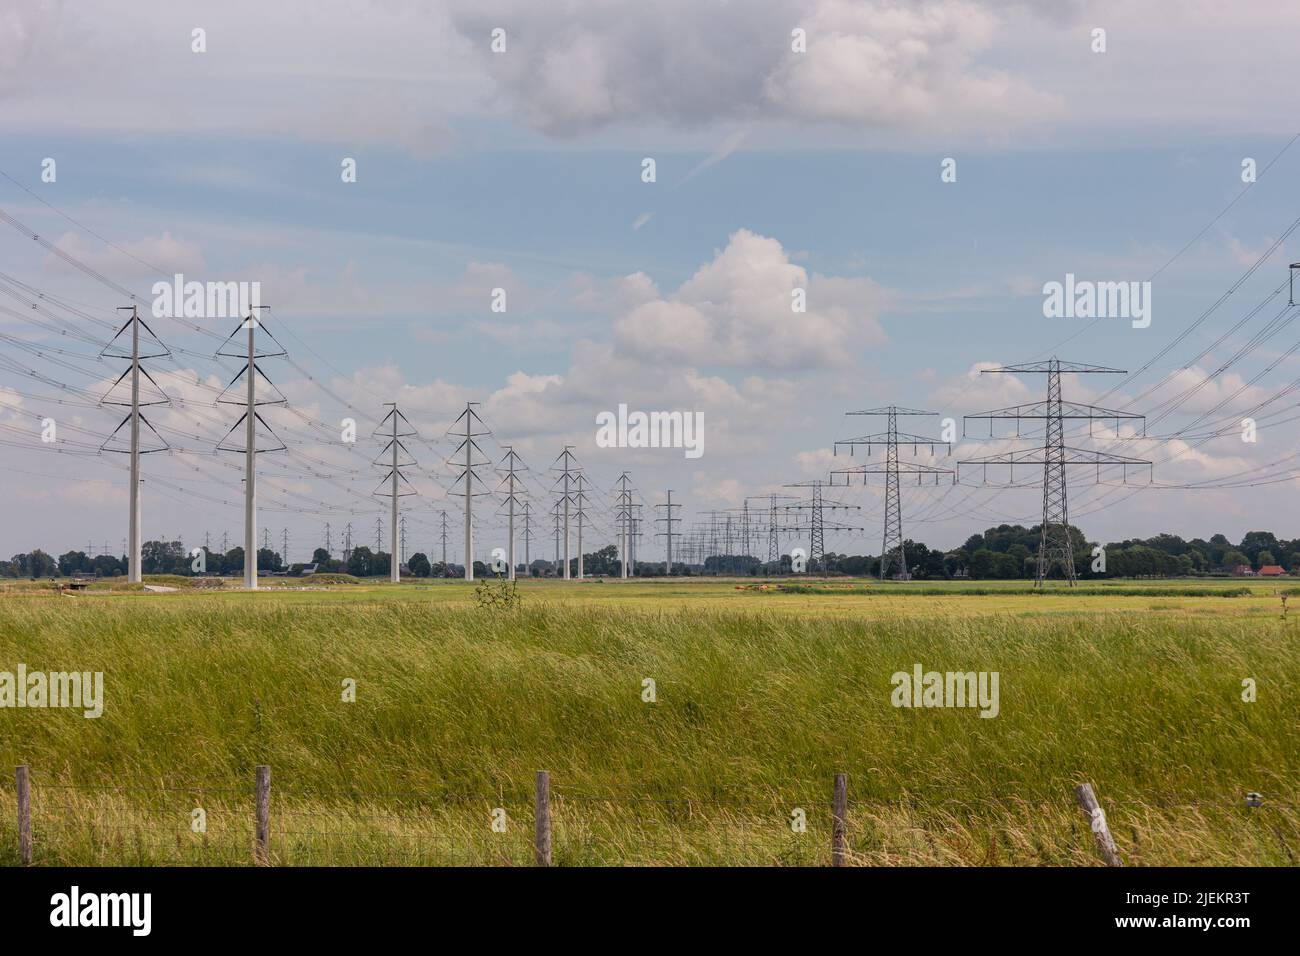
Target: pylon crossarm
(1045, 410)
(903, 467)
(1054, 365)
(1039, 456)
(893, 410)
(883, 438)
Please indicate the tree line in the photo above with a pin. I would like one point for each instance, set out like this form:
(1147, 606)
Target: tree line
(1007, 551)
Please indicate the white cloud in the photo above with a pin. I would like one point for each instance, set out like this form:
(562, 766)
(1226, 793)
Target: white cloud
(736, 310)
(169, 253)
(889, 64)
(576, 66)
(401, 74)
(977, 390)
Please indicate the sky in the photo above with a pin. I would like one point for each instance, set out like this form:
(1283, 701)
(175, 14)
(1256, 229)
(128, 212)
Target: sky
(521, 169)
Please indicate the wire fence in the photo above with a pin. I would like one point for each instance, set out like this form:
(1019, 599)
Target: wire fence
(218, 823)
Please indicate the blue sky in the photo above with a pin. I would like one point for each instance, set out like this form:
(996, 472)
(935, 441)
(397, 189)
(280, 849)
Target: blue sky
(522, 171)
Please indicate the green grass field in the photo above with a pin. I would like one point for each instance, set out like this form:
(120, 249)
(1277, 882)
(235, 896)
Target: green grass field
(761, 697)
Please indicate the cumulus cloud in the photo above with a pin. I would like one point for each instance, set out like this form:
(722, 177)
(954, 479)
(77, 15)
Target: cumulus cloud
(977, 390)
(1196, 391)
(736, 310)
(886, 64)
(399, 73)
(575, 66)
(590, 294)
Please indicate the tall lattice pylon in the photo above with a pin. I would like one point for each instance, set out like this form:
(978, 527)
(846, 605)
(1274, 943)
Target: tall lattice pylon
(135, 418)
(892, 551)
(528, 536)
(250, 420)
(395, 427)
(1054, 544)
(623, 510)
(473, 458)
(773, 524)
(566, 468)
(670, 520)
(817, 506)
(509, 469)
(580, 503)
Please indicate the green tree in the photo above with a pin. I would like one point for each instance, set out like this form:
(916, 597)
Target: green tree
(41, 565)
(983, 564)
(107, 566)
(74, 562)
(360, 562)
(1233, 557)
(604, 561)
(232, 562)
(1253, 542)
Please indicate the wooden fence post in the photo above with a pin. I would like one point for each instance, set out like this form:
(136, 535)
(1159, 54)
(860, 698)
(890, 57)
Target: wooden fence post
(261, 854)
(24, 815)
(839, 815)
(1097, 820)
(542, 820)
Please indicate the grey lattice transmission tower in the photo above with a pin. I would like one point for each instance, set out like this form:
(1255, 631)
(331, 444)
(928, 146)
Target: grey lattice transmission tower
(510, 468)
(473, 458)
(566, 468)
(134, 418)
(816, 505)
(669, 521)
(395, 426)
(1055, 456)
(892, 550)
(250, 420)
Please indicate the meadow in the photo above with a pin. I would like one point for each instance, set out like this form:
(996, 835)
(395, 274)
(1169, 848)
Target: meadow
(760, 697)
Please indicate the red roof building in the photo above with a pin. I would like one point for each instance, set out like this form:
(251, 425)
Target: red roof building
(1271, 570)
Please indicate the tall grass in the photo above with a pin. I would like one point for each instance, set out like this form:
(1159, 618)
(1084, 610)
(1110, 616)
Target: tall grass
(457, 707)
